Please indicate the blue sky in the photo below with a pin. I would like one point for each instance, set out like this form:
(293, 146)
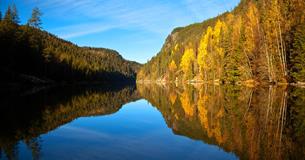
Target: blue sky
(135, 28)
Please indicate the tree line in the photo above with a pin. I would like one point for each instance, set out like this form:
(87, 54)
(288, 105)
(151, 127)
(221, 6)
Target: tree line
(30, 54)
(258, 41)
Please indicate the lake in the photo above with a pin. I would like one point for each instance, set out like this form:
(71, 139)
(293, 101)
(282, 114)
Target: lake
(153, 122)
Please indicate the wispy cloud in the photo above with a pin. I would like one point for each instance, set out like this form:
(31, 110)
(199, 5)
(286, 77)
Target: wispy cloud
(148, 15)
(136, 28)
(81, 30)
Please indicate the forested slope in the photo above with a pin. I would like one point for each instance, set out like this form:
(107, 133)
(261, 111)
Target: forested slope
(258, 41)
(29, 54)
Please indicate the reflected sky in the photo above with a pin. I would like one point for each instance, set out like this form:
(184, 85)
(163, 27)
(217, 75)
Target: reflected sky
(154, 122)
(136, 131)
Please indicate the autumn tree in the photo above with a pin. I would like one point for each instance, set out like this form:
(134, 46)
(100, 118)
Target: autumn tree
(217, 51)
(251, 36)
(172, 68)
(274, 45)
(202, 58)
(250, 43)
(187, 63)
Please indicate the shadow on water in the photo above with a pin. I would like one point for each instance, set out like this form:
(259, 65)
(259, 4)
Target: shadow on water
(30, 113)
(253, 123)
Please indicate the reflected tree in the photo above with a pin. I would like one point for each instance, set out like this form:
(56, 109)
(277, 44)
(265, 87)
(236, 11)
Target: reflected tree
(254, 123)
(50, 108)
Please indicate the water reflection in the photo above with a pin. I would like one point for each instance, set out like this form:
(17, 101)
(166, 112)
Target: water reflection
(253, 123)
(24, 117)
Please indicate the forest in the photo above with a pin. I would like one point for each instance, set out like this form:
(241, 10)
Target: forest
(32, 55)
(259, 41)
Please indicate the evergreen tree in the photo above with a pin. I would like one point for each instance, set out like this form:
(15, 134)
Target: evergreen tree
(35, 20)
(15, 17)
(297, 54)
(8, 15)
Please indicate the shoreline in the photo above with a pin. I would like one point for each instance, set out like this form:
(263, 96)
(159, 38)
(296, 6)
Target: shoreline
(248, 83)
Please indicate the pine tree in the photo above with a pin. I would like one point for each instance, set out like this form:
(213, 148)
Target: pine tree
(35, 20)
(234, 54)
(297, 54)
(15, 17)
(8, 15)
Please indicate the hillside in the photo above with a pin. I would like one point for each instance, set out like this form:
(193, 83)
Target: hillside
(260, 41)
(31, 55)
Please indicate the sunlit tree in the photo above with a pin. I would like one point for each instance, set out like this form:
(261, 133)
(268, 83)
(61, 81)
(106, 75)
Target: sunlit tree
(187, 63)
(35, 20)
(202, 57)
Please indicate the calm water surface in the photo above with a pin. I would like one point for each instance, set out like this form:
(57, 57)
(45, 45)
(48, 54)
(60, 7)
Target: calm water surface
(153, 122)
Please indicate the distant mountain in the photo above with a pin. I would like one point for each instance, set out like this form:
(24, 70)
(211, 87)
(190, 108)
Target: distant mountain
(31, 55)
(260, 41)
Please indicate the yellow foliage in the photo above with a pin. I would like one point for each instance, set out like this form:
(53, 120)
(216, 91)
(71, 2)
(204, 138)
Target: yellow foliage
(187, 60)
(203, 113)
(251, 25)
(210, 52)
(176, 48)
(203, 49)
(172, 66)
(213, 128)
(187, 106)
(173, 51)
(216, 31)
(172, 97)
(216, 38)
(236, 32)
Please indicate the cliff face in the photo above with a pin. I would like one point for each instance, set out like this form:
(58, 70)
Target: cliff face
(260, 40)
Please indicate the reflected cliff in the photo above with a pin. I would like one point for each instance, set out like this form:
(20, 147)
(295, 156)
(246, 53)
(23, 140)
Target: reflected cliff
(253, 123)
(24, 117)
